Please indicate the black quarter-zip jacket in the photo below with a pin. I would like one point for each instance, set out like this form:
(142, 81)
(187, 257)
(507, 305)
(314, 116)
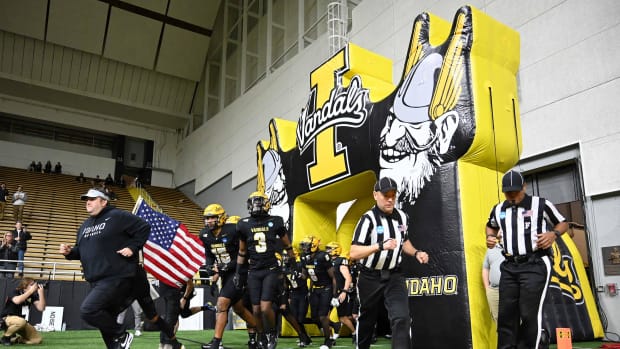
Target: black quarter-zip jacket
(101, 236)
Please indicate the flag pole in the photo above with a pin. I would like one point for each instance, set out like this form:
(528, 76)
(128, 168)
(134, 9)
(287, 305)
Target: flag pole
(137, 204)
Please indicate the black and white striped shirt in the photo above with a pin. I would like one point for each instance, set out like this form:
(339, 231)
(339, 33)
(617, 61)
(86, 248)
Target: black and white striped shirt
(519, 225)
(375, 227)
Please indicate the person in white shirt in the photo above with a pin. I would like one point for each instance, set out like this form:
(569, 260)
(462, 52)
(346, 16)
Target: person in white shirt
(19, 200)
(490, 277)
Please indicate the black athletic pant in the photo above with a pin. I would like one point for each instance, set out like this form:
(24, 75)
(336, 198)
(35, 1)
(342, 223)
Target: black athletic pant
(172, 304)
(522, 291)
(142, 293)
(299, 304)
(106, 299)
(373, 286)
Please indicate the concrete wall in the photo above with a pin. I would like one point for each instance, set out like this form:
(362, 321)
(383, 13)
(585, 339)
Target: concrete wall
(48, 143)
(233, 201)
(227, 143)
(165, 140)
(20, 155)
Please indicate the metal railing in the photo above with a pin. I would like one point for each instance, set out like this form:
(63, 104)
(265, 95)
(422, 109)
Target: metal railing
(49, 270)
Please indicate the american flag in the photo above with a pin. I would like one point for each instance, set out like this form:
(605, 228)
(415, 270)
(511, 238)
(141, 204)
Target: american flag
(171, 254)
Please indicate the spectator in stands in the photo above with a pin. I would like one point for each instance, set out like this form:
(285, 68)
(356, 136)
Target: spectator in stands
(58, 168)
(32, 167)
(19, 201)
(48, 167)
(38, 167)
(4, 196)
(97, 181)
(109, 180)
(121, 182)
(8, 252)
(81, 178)
(109, 192)
(27, 293)
(22, 236)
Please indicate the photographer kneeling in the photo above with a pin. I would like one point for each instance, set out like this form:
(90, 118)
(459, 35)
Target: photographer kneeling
(28, 292)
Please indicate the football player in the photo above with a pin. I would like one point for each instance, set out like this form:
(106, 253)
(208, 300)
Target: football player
(221, 243)
(292, 279)
(317, 266)
(260, 237)
(344, 283)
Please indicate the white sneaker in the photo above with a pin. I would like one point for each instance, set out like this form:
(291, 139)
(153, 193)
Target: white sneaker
(138, 333)
(124, 341)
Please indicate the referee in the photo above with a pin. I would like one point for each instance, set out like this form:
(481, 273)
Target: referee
(528, 226)
(378, 241)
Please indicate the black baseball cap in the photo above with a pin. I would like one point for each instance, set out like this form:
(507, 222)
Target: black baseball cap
(385, 184)
(512, 181)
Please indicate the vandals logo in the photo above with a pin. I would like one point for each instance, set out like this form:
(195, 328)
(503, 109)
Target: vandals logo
(345, 107)
(564, 276)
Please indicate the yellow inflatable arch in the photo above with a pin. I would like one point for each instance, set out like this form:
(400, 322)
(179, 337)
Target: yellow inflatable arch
(446, 133)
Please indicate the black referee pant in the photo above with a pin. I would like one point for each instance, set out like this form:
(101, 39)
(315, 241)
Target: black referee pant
(372, 286)
(522, 290)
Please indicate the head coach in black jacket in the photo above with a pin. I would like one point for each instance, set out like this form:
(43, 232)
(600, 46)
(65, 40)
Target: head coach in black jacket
(108, 245)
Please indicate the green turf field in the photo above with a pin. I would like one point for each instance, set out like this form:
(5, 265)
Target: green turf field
(232, 339)
(150, 340)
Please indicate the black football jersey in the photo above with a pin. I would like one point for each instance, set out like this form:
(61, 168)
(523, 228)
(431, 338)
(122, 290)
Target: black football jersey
(337, 263)
(295, 279)
(223, 248)
(262, 236)
(317, 267)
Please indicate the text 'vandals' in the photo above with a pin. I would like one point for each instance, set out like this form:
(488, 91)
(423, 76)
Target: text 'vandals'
(346, 107)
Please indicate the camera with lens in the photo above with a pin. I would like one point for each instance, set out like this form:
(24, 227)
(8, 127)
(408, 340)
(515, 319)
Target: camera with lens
(44, 284)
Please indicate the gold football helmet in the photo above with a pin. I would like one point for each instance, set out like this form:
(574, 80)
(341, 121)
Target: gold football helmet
(258, 204)
(309, 244)
(333, 249)
(233, 219)
(215, 210)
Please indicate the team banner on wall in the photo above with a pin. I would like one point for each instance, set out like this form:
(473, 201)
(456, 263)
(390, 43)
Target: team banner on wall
(446, 133)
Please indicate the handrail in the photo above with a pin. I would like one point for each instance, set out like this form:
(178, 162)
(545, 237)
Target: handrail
(50, 273)
(181, 208)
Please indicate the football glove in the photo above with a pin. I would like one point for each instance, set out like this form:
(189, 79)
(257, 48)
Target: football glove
(335, 302)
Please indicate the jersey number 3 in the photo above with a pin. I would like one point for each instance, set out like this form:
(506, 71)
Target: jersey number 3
(261, 242)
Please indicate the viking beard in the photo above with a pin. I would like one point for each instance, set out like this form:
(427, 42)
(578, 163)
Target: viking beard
(409, 167)
(277, 194)
(279, 201)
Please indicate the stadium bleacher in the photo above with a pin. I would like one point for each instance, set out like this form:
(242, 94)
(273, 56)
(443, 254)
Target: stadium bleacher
(53, 214)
